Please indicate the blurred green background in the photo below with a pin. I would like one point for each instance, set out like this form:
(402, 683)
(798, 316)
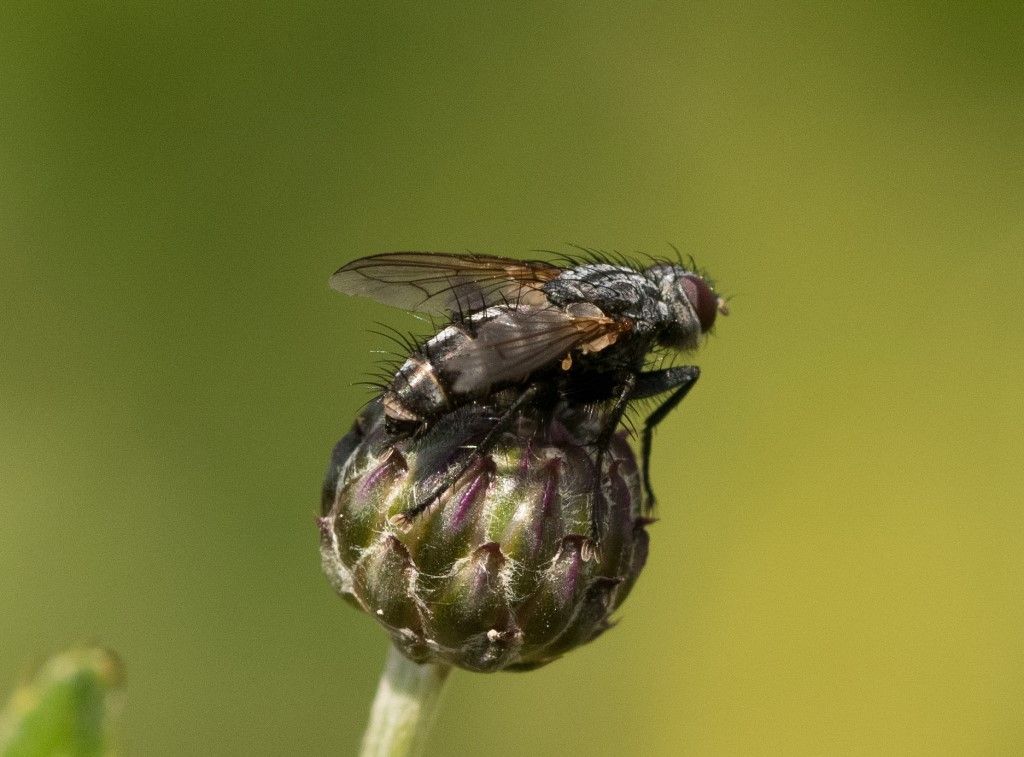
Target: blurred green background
(838, 568)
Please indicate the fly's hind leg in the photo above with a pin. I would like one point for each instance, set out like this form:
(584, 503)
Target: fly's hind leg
(486, 444)
(679, 381)
(599, 510)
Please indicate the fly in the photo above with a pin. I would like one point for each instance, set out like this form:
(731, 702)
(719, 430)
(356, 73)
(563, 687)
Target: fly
(578, 334)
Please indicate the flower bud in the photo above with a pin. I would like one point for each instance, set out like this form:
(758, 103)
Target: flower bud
(498, 573)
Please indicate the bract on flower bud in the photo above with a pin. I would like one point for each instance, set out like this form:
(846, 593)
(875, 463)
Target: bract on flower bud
(498, 573)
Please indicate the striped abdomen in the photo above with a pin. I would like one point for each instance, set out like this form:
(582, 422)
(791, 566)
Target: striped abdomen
(419, 393)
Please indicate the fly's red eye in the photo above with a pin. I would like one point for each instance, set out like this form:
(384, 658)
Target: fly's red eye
(704, 301)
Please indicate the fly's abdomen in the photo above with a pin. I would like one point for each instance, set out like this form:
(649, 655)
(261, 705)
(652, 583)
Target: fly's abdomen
(415, 394)
(419, 391)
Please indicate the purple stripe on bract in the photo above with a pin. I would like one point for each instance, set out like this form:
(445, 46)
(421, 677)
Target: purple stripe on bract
(375, 477)
(554, 469)
(468, 497)
(487, 560)
(572, 577)
(566, 586)
(524, 461)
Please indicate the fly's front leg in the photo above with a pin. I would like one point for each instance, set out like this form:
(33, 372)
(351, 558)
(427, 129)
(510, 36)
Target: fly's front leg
(680, 379)
(487, 443)
(604, 438)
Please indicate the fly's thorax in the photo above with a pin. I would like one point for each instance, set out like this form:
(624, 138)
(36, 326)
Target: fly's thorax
(616, 290)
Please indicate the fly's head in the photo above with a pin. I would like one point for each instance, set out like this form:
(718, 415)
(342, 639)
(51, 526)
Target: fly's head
(692, 301)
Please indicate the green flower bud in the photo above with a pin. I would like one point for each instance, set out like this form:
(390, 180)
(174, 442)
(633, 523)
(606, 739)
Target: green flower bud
(497, 574)
(69, 706)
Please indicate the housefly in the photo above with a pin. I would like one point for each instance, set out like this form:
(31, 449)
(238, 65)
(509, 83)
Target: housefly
(533, 331)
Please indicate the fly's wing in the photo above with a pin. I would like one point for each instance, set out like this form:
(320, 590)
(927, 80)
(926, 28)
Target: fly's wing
(434, 282)
(514, 343)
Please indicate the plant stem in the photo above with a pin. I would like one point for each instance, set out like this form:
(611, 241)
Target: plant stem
(404, 708)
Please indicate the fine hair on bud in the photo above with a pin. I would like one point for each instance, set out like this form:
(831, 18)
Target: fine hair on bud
(499, 572)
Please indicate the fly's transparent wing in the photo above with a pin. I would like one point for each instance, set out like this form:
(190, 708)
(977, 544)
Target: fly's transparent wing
(434, 282)
(514, 343)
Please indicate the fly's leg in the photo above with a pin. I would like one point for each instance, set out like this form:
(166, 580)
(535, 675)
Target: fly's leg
(401, 429)
(486, 444)
(680, 379)
(599, 509)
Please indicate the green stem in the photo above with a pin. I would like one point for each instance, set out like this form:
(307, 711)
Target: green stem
(404, 708)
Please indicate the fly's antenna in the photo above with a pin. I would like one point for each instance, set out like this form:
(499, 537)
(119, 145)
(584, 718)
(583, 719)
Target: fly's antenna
(724, 304)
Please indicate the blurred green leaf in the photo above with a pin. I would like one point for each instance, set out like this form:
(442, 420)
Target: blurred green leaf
(67, 708)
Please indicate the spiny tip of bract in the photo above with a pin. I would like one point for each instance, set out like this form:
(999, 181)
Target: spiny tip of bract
(400, 522)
